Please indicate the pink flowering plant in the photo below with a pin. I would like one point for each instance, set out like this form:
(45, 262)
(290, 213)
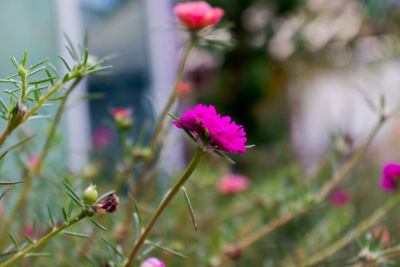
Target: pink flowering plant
(219, 208)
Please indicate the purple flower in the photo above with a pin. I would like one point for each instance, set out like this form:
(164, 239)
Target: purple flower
(102, 137)
(224, 134)
(391, 176)
(339, 197)
(152, 262)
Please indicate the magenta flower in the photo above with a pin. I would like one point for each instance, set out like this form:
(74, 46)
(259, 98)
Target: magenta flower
(152, 262)
(233, 183)
(223, 133)
(197, 15)
(339, 197)
(390, 177)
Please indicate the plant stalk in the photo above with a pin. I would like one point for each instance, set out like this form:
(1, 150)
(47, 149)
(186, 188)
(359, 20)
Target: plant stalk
(320, 195)
(160, 124)
(43, 240)
(167, 199)
(362, 227)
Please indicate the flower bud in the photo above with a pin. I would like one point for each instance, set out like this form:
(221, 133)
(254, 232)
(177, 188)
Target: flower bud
(90, 195)
(17, 115)
(123, 118)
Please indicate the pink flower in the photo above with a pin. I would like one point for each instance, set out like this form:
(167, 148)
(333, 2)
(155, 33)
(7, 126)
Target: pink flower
(382, 232)
(33, 161)
(122, 117)
(101, 137)
(339, 197)
(390, 177)
(152, 262)
(232, 184)
(184, 88)
(28, 231)
(1, 210)
(197, 15)
(224, 134)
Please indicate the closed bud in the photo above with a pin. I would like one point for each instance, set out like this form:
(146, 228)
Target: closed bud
(90, 195)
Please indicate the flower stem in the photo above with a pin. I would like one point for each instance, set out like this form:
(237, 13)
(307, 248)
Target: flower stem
(43, 240)
(35, 170)
(320, 195)
(167, 199)
(362, 227)
(160, 124)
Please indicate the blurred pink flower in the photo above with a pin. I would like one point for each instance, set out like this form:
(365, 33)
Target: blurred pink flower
(33, 161)
(390, 177)
(101, 137)
(197, 15)
(339, 197)
(122, 117)
(184, 88)
(382, 232)
(152, 262)
(233, 183)
(224, 134)
(28, 231)
(1, 210)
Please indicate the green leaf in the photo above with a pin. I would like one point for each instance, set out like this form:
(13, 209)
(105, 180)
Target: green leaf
(65, 62)
(23, 63)
(29, 239)
(51, 217)
(76, 200)
(75, 234)
(70, 188)
(73, 53)
(13, 240)
(36, 71)
(37, 64)
(224, 156)
(49, 75)
(34, 228)
(136, 209)
(54, 70)
(5, 192)
(3, 183)
(165, 249)
(37, 254)
(65, 215)
(14, 62)
(9, 81)
(50, 79)
(99, 69)
(112, 247)
(104, 196)
(85, 57)
(98, 225)
(220, 43)
(190, 207)
(183, 127)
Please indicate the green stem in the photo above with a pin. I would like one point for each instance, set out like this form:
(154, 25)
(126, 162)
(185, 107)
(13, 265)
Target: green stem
(43, 240)
(160, 124)
(319, 196)
(167, 199)
(362, 227)
(33, 172)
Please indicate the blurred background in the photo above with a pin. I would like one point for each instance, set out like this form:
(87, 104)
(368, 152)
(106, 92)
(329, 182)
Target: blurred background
(304, 77)
(298, 74)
